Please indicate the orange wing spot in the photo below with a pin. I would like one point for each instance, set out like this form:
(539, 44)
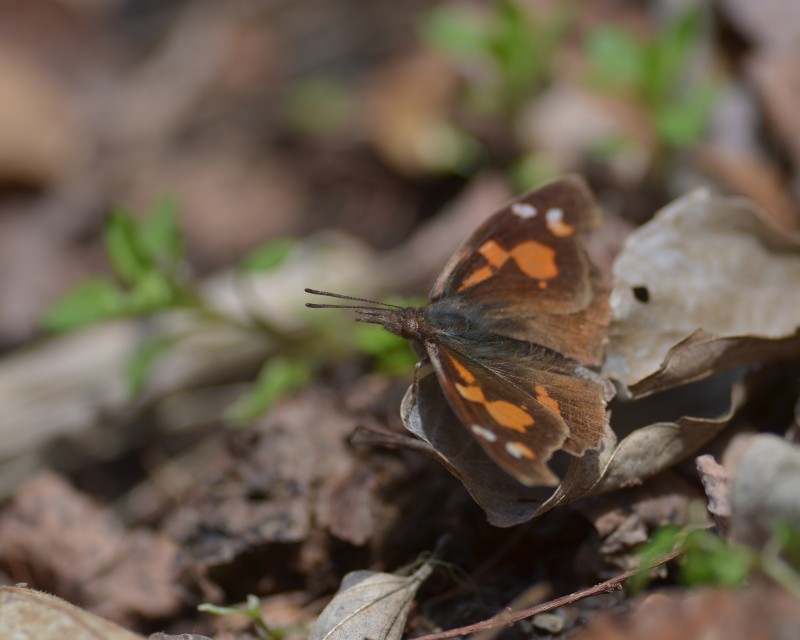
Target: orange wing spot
(555, 222)
(479, 275)
(544, 399)
(519, 450)
(542, 284)
(509, 415)
(463, 372)
(535, 260)
(561, 229)
(472, 393)
(495, 254)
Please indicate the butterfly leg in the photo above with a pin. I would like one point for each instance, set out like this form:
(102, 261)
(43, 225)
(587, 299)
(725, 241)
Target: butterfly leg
(421, 364)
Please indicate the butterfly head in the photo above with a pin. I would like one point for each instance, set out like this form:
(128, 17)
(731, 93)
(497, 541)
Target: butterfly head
(406, 322)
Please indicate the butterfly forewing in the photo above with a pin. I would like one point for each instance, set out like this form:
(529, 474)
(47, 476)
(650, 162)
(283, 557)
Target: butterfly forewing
(532, 246)
(526, 271)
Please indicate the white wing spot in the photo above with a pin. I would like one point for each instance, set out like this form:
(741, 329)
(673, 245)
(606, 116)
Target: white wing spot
(517, 450)
(554, 216)
(524, 210)
(483, 432)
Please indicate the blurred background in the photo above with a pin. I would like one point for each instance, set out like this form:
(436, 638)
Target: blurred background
(276, 119)
(172, 174)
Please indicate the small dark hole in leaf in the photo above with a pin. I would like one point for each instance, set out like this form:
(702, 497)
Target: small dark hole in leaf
(641, 294)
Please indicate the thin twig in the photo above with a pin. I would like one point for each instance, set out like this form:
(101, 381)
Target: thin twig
(508, 618)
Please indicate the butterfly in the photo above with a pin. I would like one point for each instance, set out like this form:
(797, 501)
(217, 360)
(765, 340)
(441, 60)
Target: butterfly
(513, 324)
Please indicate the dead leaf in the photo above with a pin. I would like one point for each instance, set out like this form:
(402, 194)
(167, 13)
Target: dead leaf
(754, 613)
(753, 176)
(716, 485)
(686, 304)
(26, 613)
(54, 535)
(770, 23)
(658, 446)
(765, 489)
(774, 74)
(568, 123)
(369, 605)
(407, 106)
(41, 140)
(624, 520)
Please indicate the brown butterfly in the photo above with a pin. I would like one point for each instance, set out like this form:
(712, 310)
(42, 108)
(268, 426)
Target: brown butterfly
(513, 321)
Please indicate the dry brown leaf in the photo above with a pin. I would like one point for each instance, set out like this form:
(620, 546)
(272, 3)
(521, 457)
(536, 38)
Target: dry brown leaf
(568, 123)
(774, 74)
(770, 23)
(754, 613)
(369, 605)
(60, 539)
(765, 489)
(658, 446)
(406, 107)
(41, 140)
(624, 520)
(717, 488)
(704, 287)
(26, 614)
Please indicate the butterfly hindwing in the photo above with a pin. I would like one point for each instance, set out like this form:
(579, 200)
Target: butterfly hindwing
(521, 420)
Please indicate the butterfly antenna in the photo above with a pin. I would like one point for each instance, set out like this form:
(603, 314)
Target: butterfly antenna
(312, 305)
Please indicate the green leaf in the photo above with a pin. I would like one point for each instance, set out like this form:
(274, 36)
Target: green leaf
(152, 291)
(277, 377)
(456, 33)
(269, 256)
(684, 123)
(88, 303)
(123, 248)
(518, 48)
(252, 609)
(661, 543)
(318, 105)
(138, 368)
(159, 238)
(616, 59)
(710, 560)
(668, 56)
(532, 170)
(392, 353)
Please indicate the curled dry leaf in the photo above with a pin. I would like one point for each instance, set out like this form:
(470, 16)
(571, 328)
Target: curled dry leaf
(645, 452)
(369, 605)
(704, 287)
(765, 489)
(717, 488)
(26, 613)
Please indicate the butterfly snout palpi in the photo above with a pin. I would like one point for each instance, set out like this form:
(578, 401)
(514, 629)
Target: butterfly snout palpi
(514, 325)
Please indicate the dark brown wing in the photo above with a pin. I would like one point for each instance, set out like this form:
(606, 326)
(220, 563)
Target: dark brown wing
(525, 271)
(521, 417)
